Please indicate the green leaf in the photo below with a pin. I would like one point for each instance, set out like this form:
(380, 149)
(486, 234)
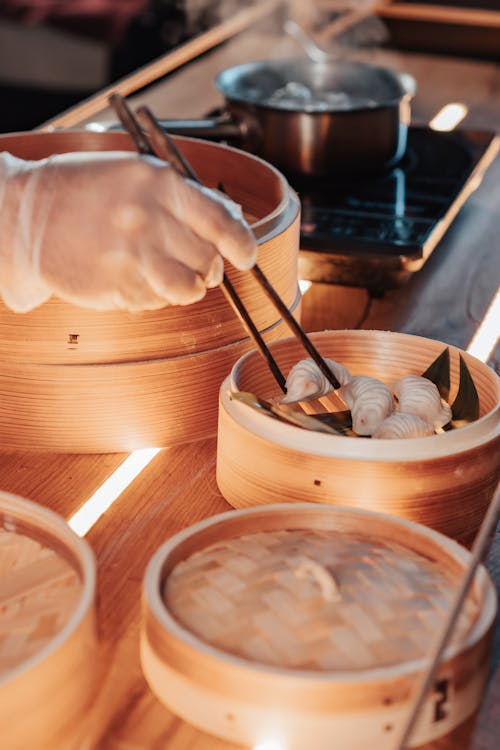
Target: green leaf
(465, 408)
(439, 373)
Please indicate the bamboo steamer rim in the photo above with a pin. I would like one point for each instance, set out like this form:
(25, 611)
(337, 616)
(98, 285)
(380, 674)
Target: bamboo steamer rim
(155, 576)
(267, 227)
(476, 433)
(14, 508)
(264, 228)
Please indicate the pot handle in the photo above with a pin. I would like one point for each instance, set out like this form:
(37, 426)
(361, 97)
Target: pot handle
(222, 128)
(217, 128)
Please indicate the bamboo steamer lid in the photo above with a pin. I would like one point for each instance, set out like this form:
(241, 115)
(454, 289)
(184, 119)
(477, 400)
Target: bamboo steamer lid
(47, 628)
(444, 481)
(75, 380)
(307, 623)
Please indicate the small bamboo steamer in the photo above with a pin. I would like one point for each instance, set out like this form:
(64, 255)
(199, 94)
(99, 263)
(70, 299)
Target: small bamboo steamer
(443, 481)
(47, 576)
(75, 380)
(361, 707)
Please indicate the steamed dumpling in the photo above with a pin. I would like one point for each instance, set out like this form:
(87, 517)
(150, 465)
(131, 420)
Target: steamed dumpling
(419, 396)
(370, 402)
(306, 382)
(400, 425)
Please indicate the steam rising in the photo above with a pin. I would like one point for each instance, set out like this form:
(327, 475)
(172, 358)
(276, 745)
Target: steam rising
(336, 23)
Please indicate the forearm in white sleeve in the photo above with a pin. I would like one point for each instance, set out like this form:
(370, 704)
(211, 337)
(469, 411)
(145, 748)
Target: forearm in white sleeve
(22, 210)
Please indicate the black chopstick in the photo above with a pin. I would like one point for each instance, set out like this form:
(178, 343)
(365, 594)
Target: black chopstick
(165, 144)
(478, 552)
(127, 119)
(233, 297)
(164, 147)
(296, 328)
(177, 158)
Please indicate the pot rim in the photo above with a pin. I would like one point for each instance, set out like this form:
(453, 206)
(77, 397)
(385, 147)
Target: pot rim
(406, 81)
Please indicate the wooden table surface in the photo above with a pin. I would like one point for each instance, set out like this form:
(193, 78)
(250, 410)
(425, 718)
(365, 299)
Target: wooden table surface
(446, 300)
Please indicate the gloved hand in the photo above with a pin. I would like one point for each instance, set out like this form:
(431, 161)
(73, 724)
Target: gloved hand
(112, 230)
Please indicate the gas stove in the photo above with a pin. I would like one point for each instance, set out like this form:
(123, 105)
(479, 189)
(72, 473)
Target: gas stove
(376, 231)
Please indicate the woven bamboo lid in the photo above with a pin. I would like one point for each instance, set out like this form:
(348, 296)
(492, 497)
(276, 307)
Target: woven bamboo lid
(315, 599)
(39, 590)
(45, 570)
(311, 587)
(47, 628)
(309, 623)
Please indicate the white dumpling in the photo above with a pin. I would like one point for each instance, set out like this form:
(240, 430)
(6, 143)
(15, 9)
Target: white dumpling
(305, 381)
(400, 425)
(420, 396)
(370, 402)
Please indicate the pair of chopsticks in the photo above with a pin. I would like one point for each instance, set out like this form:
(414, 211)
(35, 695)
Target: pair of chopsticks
(478, 553)
(150, 138)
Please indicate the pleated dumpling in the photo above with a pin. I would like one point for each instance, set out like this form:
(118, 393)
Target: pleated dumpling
(305, 381)
(418, 395)
(370, 402)
(400, 425)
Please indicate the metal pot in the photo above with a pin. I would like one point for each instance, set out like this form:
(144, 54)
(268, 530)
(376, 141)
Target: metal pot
(355, 119)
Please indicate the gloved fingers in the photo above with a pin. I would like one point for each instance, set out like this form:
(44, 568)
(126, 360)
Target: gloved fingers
(211, 217)
(116, 231)
(182, 244)
(130, 297)
(118, 283)
(170, 279)
(134, 296)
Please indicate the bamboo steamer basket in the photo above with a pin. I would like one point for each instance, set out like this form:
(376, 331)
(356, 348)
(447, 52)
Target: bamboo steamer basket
(121, 406)
(241, 637)
(47, 629)
(444, 481)
(73, 379)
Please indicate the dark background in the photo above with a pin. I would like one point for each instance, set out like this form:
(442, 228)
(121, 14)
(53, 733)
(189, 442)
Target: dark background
(127, 41)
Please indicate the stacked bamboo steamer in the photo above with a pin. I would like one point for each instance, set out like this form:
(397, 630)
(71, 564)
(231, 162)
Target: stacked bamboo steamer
(444, 481)
(48, 641)
(77, 380)
(308, 625)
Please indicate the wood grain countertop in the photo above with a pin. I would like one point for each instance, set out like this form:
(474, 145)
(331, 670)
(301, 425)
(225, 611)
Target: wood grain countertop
(446, 300)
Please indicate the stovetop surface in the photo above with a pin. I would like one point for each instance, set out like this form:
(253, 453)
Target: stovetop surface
(396, 213)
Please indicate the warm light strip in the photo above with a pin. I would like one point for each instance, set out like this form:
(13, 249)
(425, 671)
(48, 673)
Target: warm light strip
(449, 117)
(486, 337)
(268, 745)
(105, 495)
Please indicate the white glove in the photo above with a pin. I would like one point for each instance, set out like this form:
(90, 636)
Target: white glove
(112, 230)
